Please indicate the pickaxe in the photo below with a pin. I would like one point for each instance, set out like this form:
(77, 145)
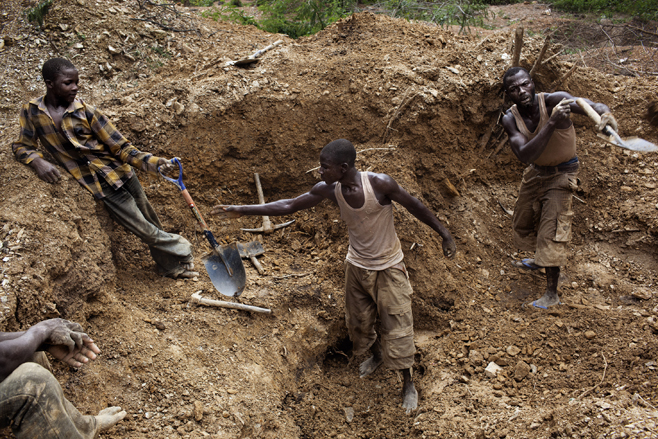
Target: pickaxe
(267, 227)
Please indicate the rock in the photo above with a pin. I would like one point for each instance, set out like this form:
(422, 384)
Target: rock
(113, 51)
(81, 2)
(590, 334)
(513, 351)
(78, 46)
(492, 370)
(225, 414)
(64, 27)
(642, 293)
(349, 413)
(178, 108)
(198, 411)
(563, 367)
(521, 370)
(2, 44)
(475, 357)
(534, 426)
(160, 325)
(231, 391)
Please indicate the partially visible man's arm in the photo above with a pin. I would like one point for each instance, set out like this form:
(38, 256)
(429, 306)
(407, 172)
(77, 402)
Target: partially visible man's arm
(387, 185)
(281, 207)
(25, 149)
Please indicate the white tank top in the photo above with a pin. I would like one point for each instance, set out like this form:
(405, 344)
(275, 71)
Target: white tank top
(374, 245)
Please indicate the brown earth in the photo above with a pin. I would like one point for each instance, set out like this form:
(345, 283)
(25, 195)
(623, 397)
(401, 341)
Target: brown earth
(421, 104)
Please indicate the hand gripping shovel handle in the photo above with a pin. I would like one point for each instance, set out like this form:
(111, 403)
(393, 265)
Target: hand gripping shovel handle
(190, 203)
(597, 119)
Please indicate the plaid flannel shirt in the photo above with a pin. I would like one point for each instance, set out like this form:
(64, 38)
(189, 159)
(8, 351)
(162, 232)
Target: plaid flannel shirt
(90, 147)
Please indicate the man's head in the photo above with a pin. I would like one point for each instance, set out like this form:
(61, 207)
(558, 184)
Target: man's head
(336, 159)
(518, 85)
(61, 78)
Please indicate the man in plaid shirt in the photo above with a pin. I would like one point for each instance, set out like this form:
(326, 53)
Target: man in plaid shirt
(94, 152)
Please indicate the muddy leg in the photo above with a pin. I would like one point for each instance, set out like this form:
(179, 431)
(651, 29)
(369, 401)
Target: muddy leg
(409, 393)
(549, 298)
(372, 363)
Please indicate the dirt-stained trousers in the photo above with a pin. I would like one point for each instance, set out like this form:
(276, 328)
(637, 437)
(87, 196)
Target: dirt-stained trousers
(387, 294)
(129, 207)
(33, 405)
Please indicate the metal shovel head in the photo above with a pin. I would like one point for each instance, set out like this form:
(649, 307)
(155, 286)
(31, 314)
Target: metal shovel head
(632, 143)
(225, 283)
(249, 249)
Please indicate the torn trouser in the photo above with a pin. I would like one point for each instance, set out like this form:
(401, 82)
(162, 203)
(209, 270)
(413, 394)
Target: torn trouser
(386, 293)
(129, 207)
(543, 214)
(33, 405)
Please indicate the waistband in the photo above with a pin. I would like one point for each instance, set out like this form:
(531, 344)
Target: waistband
(568, 166)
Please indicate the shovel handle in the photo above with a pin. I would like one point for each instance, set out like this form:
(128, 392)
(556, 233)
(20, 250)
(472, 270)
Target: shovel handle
(190, 203)
(589, 110)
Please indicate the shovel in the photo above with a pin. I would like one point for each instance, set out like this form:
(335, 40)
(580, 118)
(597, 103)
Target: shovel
(224, 265)
(249, 251)
(632, 143)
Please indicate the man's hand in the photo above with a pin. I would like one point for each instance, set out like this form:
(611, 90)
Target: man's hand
(562, 109)
(45, 170)
(166, 166)
(607, 119)
(225, 212)
(79, 355)
(63, 333)
(449, 248)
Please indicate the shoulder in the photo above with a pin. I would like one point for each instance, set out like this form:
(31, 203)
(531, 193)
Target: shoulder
(323, 189)
(508, 120)
(382, 182)
(552, 99)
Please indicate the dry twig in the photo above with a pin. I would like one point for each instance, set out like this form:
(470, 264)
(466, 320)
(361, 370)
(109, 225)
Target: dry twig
(600, 382)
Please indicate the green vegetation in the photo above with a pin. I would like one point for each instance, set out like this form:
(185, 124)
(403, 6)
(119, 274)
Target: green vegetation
(297, 18)
(229, 13)
(643, 9)
(38, 13)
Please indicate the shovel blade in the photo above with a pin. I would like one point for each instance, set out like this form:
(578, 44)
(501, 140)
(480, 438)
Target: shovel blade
(219, 276)
(632, 143)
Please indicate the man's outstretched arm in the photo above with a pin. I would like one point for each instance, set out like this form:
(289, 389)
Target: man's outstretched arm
(397, 193)
(281, 207)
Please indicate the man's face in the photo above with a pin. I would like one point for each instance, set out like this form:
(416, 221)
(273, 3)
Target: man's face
(65, 86)
(330, 172)
(521, 89)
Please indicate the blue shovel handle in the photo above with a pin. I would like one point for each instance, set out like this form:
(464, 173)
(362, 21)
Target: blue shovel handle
(179, 182)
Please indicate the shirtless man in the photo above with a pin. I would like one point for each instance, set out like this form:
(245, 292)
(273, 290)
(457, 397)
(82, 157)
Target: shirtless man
(31, 399)
(376, 279)
(542, 135)
(84, 141)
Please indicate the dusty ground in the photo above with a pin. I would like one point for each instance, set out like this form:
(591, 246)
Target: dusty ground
(421, 103)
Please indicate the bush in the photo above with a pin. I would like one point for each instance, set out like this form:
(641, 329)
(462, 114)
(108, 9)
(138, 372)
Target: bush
(297, 18)
(643, 9)
(38, 13)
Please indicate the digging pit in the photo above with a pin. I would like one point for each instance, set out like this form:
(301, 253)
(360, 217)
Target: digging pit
(420, 104)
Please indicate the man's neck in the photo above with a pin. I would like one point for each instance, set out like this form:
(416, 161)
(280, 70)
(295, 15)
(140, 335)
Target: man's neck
(54, 103)
(351, 179)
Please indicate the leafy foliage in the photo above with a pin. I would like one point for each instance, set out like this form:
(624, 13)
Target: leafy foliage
(296, 18)
(230, 13)
(643, 9)
(38, 12)
(464, 13)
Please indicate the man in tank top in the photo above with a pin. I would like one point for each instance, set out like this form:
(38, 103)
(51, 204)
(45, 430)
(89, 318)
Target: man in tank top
(542, 135)
(376, 280)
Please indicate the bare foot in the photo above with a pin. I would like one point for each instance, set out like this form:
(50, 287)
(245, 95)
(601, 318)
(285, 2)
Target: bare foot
(188, 274)
(369, 366)
(108, 417)
(550, 298)
(409, 397)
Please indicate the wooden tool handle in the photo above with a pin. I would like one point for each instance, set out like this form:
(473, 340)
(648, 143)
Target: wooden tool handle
(589, 110)
(267, 224)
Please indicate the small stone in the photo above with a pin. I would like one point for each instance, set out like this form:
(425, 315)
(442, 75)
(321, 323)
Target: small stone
(463, 379)
(534, 426)
(492, 370)
(563, 367)
(64, 27)
(78, 46)
(160, 325)
(231, 391)
(198, 410)
(642, 293)
(113, 51)
(349, 413)
(225, 414)
(178, 108)
(513, 351)
(475, 357)
(590, 334)
(81, 2)
(521, 370)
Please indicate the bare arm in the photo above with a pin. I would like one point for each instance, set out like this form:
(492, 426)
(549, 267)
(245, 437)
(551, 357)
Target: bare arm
(387, 185)
(281, 207)
(529, 150)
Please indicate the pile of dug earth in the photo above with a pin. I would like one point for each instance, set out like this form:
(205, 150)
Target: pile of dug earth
(421, 104)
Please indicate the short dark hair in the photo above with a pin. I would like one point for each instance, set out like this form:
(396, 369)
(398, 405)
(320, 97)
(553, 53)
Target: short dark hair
(511, 72)
(340, 151)
(54, 66)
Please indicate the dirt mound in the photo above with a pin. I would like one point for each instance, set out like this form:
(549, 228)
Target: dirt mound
(422, 105)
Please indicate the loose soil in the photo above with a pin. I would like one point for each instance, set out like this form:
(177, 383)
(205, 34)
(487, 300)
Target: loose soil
(420, 103)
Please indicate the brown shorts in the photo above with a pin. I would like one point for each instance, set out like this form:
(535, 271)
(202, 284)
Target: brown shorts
(543, 214)
(387, 294)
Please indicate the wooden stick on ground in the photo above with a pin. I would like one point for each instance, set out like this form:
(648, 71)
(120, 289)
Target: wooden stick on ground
(196, 298)
(550, 58)
(600, 382)
(518, 43)
(537, 63)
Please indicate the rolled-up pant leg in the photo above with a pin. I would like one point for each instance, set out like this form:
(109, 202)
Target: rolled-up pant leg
(129, 207)
(33, 404)
(527, 211)
(387, 293)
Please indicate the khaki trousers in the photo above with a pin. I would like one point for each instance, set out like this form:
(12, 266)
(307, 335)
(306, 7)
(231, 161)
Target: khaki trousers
(387, 294)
